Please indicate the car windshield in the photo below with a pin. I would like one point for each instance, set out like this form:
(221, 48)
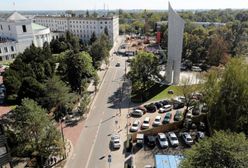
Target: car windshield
(188, 139)
(174, 138)
(146, 122)
(157, 119)
(162, 139)
(135, 124)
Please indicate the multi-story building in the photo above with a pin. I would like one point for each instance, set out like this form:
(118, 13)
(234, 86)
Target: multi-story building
(17, 33)
(82, 27)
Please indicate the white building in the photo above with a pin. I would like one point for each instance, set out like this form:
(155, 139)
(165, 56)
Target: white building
(17, 33)
(82, 27)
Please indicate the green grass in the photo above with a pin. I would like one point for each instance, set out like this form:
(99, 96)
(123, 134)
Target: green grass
(164, 94)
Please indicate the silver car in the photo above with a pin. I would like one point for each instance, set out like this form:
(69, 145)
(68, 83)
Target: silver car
(187, 138)
(135, 126)
(163, 142)
(137, 112)
(173, 139)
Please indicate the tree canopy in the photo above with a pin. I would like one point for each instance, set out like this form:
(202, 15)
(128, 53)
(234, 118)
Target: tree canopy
(144, 71)
(35, 134)
(223, 149)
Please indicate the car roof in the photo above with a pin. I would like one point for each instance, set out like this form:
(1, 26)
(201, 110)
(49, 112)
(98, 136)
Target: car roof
(158, 117)
(136, 121)
(147, 119)
(172, 134)
(161, 135)
(167, 105)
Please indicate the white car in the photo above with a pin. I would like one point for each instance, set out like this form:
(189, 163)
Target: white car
(163, 142)
(115, 141)
(146, 123)
(173, 139)
(137, 112)
(187, 138)
(157, 121)
(135, 126)
(166, 108)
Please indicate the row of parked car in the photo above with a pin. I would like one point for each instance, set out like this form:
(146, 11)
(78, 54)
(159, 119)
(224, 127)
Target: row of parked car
(171, 139)
(161, 106)
(157, 121)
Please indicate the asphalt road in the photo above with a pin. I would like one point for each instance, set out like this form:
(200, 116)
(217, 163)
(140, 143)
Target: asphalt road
(93, 146)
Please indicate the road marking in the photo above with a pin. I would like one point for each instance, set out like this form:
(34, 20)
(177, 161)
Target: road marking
(93, 146)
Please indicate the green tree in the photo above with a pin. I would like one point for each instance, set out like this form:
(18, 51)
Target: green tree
(35, 133)
(217, 51)
(93, 38)
(144, 71)
(223, 149)
(77, 69)
(227, 97)
(57, 96)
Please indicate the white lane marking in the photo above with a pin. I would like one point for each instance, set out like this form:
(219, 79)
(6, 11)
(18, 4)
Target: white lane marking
(94, 142)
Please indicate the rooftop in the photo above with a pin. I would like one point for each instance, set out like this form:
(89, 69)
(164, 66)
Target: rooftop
(37, 27)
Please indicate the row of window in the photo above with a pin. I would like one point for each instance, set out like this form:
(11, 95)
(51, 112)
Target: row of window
(65, 22)
(24, 29)
(7, 57)
(5, 49)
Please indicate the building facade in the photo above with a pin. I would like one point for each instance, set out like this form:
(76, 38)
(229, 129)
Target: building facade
(175, 44)
(82, 27)
(17, 33)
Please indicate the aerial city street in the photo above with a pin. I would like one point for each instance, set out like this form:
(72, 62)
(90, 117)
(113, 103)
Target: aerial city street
(124, 84)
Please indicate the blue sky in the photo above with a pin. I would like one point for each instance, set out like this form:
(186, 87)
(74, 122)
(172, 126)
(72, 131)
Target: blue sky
(116, 4)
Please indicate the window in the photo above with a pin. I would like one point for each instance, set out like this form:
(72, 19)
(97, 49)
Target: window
(24, 29)
(6, 57)
(3, 150)
(1, 58)
(5, 49)
(1, 26)
(9, 27)
(0, 51)
(13, 56)
(12, 48)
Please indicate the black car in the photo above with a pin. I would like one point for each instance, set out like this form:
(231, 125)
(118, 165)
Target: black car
(165, 102)
(158, 105)
(151, 141)
(151, 108)
(178, 105)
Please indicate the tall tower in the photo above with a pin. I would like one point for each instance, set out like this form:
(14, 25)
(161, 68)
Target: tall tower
(175, 44)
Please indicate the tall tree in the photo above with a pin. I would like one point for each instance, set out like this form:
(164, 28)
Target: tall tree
(77, 69)
(93, 38)
(227, 97)
(144, 71)
(35, 133)
(224, 149)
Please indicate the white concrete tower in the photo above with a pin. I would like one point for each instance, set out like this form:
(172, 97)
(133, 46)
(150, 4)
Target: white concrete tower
(175, 44)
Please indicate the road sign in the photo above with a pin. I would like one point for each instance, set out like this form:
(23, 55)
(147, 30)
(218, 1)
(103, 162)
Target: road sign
(109, 158)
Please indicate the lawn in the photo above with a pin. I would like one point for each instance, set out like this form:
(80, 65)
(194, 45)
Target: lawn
(164, 94)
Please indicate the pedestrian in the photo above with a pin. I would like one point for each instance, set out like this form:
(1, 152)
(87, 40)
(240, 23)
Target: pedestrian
(55, 160)
(51, 160)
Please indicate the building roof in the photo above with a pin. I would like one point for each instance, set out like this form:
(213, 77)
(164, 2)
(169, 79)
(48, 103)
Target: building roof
(167, 161)
(37, 26)
(16, 16)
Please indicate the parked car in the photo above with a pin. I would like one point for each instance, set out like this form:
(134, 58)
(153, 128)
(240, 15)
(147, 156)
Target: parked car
(204, 108)
(158, 105)
(157, 121)
(162, 140)
(137, 112)
(202, 126)
(167, 118)
(165, 102)
(141, 108)
(173, 139)
(140, 140)
(115, 141)
(178, 116)
(151, 141)
(146, 123)
(135, 126)
(196, 111)
(178, 105)
(196, 69)
(166, 108)
(151, 108)
(200, 135)
(187, 138)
